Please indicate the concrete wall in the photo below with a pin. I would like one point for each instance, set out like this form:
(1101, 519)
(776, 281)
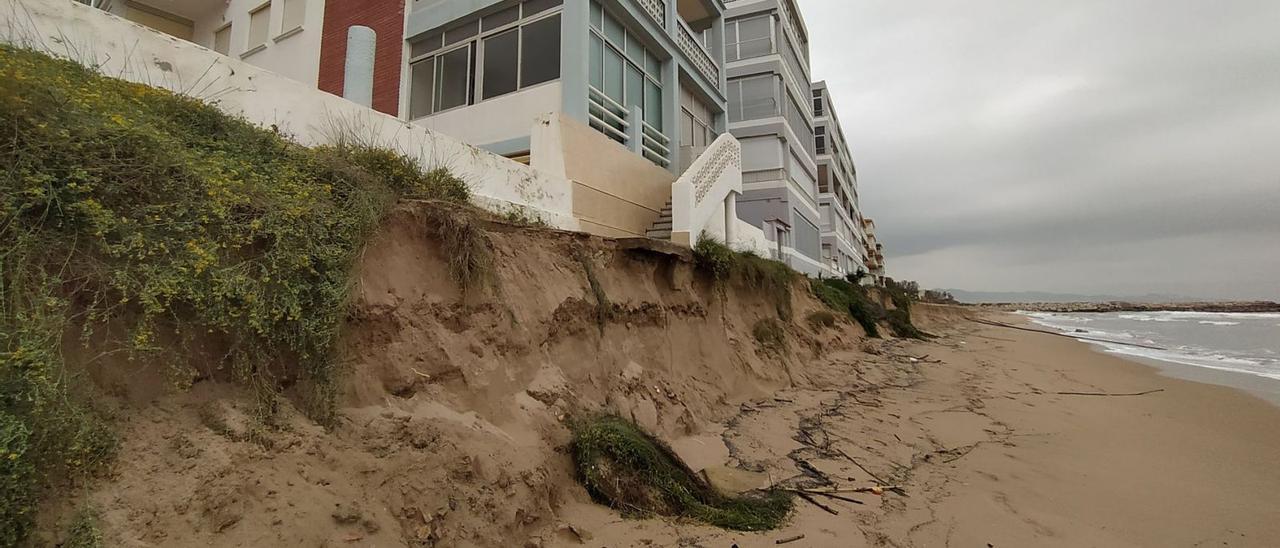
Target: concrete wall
(499, 120)
(616, 192)
(136, 53)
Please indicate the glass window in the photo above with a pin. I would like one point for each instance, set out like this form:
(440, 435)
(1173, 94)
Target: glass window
(504, 17)
(653, 104)
(653, 65)
(422, 82)
(752, 38)
(823, 176)
(634, 50)
(541, 51)
(426, 44)
(453, 78)
(759, 97)
(259, 26)
(501, 57)
(597, 61)
(817, 106)
(635, 87)
(614, 32)
(597, 16)
(613, 74)
(222, 40)
(461, 32)
(538, 6)
(295, 12)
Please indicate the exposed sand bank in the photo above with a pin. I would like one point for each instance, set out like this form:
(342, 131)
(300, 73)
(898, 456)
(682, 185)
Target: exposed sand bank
(989, 454)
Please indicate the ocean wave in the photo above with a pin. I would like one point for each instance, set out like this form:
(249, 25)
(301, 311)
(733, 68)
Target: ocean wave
(1211, 322)
(1150, 317)
(1218, 362)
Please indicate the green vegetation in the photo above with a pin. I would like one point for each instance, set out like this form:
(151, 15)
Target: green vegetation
(821, 319)
(127, 206)
(902, 295)
(850, 299)
(626, 468)
(84, 532)
(754, 272)
(769, 335)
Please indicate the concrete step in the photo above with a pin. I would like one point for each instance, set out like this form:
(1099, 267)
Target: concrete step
(658, 234)
(662, 224)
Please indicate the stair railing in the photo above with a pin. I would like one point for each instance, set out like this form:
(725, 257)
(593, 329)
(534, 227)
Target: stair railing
(715, 178)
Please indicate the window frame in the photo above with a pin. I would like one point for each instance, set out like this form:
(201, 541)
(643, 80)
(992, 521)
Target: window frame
(733, 50)
(597, 29)
(285, 29)
(475, 77)
(214, 46)
(266, 35)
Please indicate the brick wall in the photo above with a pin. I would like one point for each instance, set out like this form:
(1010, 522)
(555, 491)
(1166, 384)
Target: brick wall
(386, 18)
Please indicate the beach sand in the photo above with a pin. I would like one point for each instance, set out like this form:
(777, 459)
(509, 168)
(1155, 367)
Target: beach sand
(990, 453)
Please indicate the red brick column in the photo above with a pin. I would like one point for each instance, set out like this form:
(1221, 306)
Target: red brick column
(386, 18)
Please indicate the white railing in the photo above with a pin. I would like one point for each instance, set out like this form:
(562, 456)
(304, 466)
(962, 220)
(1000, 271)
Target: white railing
(657, 9)
(654, 145)
(607, 115)
(708, 187)
(697, 54)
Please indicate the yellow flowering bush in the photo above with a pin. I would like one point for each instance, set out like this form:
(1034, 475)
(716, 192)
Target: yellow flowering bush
(124, 203)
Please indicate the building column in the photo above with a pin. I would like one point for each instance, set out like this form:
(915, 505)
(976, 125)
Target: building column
(671, 111)
(635, 140)
(575, 34)
(730, 218)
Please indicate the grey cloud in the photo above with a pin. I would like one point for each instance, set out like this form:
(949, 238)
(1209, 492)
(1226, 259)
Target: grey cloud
(1008, 145)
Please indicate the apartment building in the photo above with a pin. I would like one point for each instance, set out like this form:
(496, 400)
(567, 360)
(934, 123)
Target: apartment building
(875, 254)
(282, 36)
(843, 238)
(770, 112)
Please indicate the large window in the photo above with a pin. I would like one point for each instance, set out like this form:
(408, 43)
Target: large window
(820, 139)
(485, 57)
(817, 103)
(749, 37)
(799, 123)
(622, 68)
(695, 121)
(222, 40)
(753, 97)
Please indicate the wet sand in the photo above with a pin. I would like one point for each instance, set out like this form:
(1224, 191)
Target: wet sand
(991, 452)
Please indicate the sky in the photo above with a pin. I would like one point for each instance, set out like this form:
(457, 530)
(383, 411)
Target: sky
(1113, 147)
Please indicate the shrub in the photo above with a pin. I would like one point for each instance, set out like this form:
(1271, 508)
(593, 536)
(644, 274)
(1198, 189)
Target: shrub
(622, 466)
(821, 319)
(125, 203)
(768, 276)
(850, 299)
(770, 335)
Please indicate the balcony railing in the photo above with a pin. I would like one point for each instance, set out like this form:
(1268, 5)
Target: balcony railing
(697, 54)
(627, 127)
(657, 9)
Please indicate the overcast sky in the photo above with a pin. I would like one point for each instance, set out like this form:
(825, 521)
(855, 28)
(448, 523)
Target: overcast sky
(1089, 146)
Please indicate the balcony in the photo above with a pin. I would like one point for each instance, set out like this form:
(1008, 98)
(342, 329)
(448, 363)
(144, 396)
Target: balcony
(692, 17)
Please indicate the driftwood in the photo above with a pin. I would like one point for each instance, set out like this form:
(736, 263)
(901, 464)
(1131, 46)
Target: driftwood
(872, 489)
(1109, 394)
(814, 502)
(1056, 334)
(788, 539)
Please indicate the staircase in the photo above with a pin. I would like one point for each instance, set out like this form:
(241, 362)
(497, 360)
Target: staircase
(661, 229)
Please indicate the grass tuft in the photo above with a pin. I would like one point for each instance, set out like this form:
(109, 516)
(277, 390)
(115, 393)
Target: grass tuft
(754, 272)
(629, 470)
(821, 319)
(844, 297)
(769, 335)
(84, 532)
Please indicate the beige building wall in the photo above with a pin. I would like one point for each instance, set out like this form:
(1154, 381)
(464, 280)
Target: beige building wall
(616, 192)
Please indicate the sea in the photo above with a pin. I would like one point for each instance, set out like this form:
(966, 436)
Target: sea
(1235, 349)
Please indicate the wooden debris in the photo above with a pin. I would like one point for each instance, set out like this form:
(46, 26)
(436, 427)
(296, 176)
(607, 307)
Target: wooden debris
(814, 502)
(1109, 393)
(788, 539)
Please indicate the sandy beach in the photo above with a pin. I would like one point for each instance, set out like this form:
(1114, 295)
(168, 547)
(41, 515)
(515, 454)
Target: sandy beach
(991, 450)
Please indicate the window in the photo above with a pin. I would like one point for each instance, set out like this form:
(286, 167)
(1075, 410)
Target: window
(487, 57)
(421, 85)
(753, 97)
(817, 103)
(823, 177)
(623, 69)
(453, 78)
(695, 121)
(222, 40)
(820, 139)
(501, 57)
(540, 61)
(749, 37)
(259, 25)
(295, 12)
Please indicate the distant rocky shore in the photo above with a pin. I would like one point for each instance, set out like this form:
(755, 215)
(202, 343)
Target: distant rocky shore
(1121, 306)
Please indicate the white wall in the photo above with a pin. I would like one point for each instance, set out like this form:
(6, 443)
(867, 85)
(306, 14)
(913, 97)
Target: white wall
(136, 53)
(289, 52)
(495, 120)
